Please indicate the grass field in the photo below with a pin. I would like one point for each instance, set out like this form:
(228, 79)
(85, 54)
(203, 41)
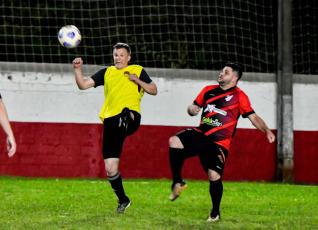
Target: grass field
(28, 203)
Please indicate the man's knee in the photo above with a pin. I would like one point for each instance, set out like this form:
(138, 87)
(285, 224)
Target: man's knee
(111, 172)
(174, 142)
(111, 167)
(213, 175)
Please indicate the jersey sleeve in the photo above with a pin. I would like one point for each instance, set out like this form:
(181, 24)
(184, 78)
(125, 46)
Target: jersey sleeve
(245, 105)
(199, 100)
(98, 77)
(144, 76)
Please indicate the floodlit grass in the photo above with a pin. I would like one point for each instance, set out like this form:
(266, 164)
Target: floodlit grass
(29, 203)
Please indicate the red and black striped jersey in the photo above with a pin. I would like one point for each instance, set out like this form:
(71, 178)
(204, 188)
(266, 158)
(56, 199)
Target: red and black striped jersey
(221, 110)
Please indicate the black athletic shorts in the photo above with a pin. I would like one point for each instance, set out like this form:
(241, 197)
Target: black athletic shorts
(116, 129)
(212, 156)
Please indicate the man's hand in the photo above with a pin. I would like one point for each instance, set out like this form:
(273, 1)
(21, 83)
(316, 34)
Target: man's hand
(132, 77)
(150, 88)
(270, 136)
(193, 110)
(77, 63)
(11, 146)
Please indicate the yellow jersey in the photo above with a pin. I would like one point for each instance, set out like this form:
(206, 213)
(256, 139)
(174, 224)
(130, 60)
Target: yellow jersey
(120, 92)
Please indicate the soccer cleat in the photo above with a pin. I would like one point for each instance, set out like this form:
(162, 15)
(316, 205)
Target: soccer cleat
(214, 217)
(177, 189)
(123, 206)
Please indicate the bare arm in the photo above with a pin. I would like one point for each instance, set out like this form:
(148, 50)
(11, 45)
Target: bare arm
(261, 125)
(150, 88)
(193, 110)
(5, 124)
(81, 81)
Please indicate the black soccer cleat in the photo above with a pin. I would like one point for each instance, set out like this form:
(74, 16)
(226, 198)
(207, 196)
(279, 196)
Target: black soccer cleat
(123, 206)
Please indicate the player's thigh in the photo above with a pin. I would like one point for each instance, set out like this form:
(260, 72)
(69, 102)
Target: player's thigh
(134, 124)
(113, 138)
(213, 158)
(192, 141)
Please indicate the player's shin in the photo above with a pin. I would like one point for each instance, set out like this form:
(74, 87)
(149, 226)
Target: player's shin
(117, 185)
(176, 157)
(216, 192)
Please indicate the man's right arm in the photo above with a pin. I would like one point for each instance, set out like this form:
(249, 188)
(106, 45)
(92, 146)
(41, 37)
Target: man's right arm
(81, 81)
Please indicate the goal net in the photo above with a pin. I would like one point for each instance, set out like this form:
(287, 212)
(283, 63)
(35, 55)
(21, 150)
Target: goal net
(200, 34)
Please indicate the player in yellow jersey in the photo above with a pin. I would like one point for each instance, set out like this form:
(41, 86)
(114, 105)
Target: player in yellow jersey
(5, 124)
(124, 86)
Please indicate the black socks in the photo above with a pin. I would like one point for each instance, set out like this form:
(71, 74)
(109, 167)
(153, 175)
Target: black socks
(176, 162)
(117, 185)
(216, 192)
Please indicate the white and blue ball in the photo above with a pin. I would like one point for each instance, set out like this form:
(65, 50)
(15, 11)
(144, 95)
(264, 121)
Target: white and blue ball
(69, 36)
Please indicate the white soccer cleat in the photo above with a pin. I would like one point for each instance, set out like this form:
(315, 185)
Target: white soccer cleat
(213, 219)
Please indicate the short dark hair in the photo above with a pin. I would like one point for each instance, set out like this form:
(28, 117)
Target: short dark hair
(236, 68)
(120, 45)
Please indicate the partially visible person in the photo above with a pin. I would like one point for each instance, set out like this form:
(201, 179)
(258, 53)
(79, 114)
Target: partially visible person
(222, 105)
(5, 124)
(124, 86)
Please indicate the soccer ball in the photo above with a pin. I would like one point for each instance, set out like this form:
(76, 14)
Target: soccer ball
(69, 36)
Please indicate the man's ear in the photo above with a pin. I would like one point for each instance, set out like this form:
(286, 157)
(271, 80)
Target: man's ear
(236, 76)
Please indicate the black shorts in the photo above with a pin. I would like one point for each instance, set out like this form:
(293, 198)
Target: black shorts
(212, 156)
(116, 129)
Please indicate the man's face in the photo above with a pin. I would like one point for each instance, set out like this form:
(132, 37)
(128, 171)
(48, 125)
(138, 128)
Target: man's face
(121, 58)
(227, 76)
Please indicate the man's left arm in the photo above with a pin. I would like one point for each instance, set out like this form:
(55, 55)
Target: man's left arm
(5, 123)
(150, 88)
(261, 125)
(144, 82)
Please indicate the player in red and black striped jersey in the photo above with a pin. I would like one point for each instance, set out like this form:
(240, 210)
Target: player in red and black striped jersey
(5, 124)
(221, 106)
(221, 110)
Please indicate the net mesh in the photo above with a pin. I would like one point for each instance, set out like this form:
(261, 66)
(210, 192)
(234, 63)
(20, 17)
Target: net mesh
(199, 34)
(305, 36)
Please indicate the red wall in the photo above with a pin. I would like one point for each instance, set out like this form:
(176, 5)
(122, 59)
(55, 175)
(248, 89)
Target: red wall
(74, 150)
(54, 150)
(306, 156)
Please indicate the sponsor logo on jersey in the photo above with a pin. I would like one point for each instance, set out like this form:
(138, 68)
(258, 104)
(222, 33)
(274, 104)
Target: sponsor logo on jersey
(210, 121)
(211, 108)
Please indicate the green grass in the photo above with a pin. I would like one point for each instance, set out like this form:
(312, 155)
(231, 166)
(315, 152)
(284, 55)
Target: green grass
(28, 203)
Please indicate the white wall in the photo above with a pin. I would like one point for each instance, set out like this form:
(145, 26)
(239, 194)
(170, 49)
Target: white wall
(39, 97)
